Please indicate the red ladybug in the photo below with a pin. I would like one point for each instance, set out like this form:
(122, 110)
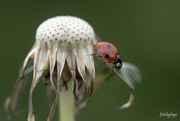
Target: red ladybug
(109, 52)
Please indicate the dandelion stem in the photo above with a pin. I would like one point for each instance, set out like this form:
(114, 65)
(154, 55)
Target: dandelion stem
(67, 104)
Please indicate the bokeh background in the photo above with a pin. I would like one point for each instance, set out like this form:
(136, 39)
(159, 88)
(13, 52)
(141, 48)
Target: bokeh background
(146, 33)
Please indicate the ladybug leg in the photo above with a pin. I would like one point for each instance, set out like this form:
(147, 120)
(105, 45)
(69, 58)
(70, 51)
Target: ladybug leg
(96, 54)
(113, 66)
(105, 62)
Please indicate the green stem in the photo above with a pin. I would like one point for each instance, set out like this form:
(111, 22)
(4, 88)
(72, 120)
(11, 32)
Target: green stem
(67, 104)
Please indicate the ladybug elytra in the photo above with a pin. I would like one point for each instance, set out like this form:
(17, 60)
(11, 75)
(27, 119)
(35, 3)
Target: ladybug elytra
(109, 52)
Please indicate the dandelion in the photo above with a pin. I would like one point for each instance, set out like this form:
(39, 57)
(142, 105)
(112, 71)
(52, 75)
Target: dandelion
(63, 50)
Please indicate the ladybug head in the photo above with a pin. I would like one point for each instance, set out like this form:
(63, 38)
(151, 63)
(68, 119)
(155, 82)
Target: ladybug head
(118, 63)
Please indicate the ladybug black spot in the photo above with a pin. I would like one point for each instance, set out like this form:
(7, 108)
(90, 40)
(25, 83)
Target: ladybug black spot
(107, 55)
(108, 46)
(97, 48)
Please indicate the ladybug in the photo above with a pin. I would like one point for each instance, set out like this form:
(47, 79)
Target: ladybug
(109, 52)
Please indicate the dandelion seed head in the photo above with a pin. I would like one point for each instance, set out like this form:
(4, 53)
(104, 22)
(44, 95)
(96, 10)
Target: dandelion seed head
(63, 28)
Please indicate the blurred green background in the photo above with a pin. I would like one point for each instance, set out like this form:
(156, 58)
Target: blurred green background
(146, 33)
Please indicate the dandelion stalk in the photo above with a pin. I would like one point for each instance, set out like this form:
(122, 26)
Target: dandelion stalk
(67, 104)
